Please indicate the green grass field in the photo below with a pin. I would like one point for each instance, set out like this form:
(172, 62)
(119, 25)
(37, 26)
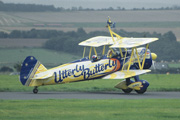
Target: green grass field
(174, 65)
(158, 82)
(10, 56)
(122, 109)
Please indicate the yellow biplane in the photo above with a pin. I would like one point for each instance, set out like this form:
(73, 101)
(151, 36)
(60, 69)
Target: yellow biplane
(122, 60)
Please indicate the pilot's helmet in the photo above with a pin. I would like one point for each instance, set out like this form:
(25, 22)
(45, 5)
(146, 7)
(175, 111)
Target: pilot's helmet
(94, 57)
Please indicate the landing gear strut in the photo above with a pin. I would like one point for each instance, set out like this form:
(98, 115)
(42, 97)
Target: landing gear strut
(128, 90)
(35, 90)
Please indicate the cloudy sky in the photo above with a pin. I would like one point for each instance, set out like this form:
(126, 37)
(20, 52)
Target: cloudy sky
(128, 4)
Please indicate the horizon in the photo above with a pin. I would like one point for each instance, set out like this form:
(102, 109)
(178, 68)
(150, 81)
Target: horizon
(128, 4)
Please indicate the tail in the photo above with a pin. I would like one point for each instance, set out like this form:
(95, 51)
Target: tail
(30, 67)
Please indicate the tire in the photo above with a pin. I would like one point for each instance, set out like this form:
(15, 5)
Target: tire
(35, 91)
(127, 90)
(141, 91)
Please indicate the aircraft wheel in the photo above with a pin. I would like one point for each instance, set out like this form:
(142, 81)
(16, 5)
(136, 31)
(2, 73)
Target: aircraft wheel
(35, 90)
(127, 90)
(141, 91)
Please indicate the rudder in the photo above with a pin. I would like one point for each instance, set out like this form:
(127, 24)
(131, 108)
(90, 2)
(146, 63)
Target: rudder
(30, 67)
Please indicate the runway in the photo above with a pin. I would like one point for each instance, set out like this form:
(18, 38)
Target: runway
(87, 95)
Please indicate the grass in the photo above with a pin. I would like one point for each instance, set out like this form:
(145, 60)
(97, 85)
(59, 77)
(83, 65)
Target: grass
(158, 82)
(10, 56)
(152, 109)
(174, 65)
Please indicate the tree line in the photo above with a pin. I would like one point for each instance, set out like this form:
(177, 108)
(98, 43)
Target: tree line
(26, 7)
(167, 48)
(42, 8)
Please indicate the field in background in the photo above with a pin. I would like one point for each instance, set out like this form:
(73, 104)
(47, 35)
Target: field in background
(152, 109)
(158, 82)
(174, 65)
(157, 20)
(101, 16)
(21, 43)
(11, 56)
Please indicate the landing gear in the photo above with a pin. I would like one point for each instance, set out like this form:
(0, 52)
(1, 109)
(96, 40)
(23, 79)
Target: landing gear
(128, 82)
(141, 91)
(127, 85)
(127, 90)
(35, 90)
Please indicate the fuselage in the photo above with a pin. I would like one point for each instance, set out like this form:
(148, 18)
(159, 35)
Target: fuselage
(76, 71)
(86, 69)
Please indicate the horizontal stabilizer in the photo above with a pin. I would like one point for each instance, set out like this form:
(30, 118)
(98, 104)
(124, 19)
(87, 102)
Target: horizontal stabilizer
(42, 76)
(125, 74)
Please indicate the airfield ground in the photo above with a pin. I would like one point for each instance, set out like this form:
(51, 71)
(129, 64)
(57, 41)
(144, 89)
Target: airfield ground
(87, 95)
(93, 105)
(151, 109)
(158, 82)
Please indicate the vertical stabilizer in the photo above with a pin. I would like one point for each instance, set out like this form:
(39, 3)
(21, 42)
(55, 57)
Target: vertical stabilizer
(30, 67)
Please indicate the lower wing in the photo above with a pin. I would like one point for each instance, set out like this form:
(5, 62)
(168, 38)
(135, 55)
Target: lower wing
(125, 74)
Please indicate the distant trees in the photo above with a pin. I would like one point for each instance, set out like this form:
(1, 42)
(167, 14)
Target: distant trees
(27, 7)
(167, 48)
(33, 33)
(17, 66)
(6, 69)
(42, 8)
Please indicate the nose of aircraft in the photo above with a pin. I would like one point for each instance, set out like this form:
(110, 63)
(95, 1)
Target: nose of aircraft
(154, 56)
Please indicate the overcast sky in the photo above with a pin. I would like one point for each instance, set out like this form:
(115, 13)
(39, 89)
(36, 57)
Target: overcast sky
(128, 4)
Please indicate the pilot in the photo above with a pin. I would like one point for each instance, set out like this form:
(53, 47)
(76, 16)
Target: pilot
(94, 57)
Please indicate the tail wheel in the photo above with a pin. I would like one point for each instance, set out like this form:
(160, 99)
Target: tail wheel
(35, 90)
(127, 90)
(141, 91)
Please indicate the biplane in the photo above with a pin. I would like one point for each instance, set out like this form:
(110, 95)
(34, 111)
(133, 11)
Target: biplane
(119, 59)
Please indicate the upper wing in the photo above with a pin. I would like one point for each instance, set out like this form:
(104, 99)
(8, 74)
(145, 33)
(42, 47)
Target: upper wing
(98, 41)
(125, 74)
(132, 42)
(122, 43)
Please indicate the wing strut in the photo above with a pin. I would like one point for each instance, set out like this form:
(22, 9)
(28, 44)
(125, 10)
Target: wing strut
(84, 52)
(124, 59)
(144, 56)
(104, 48)
(138, 59)
(90, 52)
(131, 59)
